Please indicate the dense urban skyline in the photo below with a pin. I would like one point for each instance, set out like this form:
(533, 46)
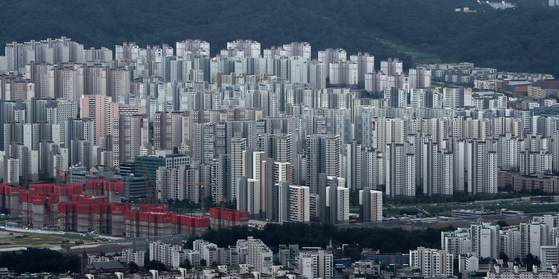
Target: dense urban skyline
(276, 134)
(250, 123)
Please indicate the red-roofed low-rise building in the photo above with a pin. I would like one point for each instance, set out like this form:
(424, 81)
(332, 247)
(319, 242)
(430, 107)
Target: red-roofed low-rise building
(117, 216)
(98, 210)
(86, 198)
(146, 224)
(12, 204)
(2, 199)
(44, 210)
(67, 217)
(226, 218)
(40, 205)
(154, 207)
(103, 187)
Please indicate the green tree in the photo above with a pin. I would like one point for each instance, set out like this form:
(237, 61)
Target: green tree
(189, 243)
(504, 257)
(157, 265)
(319, 235)
(133, 267)
(186, 264)
(40, 260)
(530, 260)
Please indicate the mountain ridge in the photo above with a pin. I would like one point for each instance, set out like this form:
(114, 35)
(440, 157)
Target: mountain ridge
(520, 39)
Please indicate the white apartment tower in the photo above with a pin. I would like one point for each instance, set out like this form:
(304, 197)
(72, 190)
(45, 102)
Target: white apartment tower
(391, 66)
(432, 262)
(485, 240)
(316, 263)
(259, 255)
(481, 167)
(532, 237)
(238, 145)
(337, 201)
(400, 167)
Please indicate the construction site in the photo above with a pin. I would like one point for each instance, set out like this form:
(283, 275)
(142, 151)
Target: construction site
(97, 207)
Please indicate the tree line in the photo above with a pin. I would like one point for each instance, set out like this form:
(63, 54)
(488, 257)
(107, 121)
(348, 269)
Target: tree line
(305, 235)
(320, 235)
(40, 260)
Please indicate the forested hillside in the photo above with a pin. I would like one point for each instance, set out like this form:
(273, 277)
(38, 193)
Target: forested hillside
(521, 39)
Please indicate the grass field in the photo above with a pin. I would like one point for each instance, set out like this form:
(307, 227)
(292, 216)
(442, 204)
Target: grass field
(39, 240)
(418, 56)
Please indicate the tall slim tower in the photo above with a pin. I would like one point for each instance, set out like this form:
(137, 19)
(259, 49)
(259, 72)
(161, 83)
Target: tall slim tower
(238, 145)
(371, 205)
(323, 156)
(83, 262)
(100, 109)
(299, 203)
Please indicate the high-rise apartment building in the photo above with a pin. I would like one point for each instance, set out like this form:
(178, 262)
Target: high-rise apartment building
(485, 240)
(316, 263)
(167, 130)
(323, 156)
(533, 236)
(101, 110)
(432, 262)
(238, 145)
(259, 255)
(299, 203)
(371, 205)
(337, 201)
(130, 135)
